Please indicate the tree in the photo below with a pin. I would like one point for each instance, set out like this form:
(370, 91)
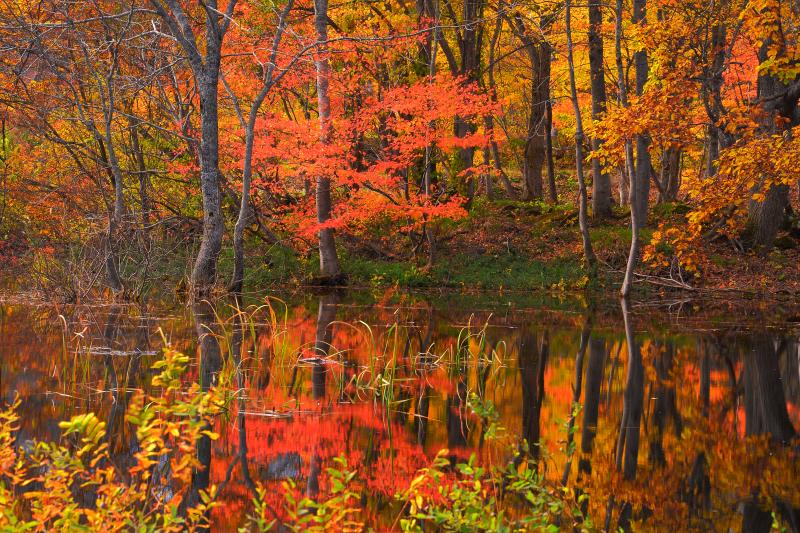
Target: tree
(329, 269)
(205, 60)
(601, 182)
(640, 179)
(579, 138)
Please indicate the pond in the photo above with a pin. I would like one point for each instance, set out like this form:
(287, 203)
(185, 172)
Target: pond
(667, 416)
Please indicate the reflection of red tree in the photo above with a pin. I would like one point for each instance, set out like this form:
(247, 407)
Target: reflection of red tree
(385, 459)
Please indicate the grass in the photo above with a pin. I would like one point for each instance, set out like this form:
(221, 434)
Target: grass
(480, 272)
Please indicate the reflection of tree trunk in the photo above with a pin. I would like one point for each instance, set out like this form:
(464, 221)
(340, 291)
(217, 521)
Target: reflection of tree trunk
(765, 413)
(456, 424)
(532, 363)
(665, 405)
(237, 339)
(421, 419)
(210, 366)
(329, 269)
(424, 401)
(576, 395)
(633, 399)
(601, 183)
(322, 343)
(764, 398)
(696, 490)
(594, 382)
(117, 413)
(328, 304)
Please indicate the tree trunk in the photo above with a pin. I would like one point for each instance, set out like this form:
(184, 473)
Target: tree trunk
(548, 145)
(643, 165)
(488, 121)
(470, 48)
(601, 182)
(535, 149)
(329, 269)
(144, 174)
(205, 267)
(626, 174)
(670, 174)
(640, 180)
(583, 222)
(765, 218)
(247, 173)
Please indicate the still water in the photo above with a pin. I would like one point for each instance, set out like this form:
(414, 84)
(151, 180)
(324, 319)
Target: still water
(686, 420)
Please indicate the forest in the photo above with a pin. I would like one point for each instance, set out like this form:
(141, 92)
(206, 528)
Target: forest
(400, 265)
(475, 144)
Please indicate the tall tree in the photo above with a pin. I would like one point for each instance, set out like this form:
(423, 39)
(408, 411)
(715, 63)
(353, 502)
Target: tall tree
(601, 182)
(583, 221)
(640, 180)
(268, 81)
(532, 36)
(205, 60)
(329, 269)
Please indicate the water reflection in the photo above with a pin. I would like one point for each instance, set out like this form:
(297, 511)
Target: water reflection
(691, 428)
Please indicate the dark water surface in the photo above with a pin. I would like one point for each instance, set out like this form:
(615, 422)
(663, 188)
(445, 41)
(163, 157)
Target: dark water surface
(686, 421)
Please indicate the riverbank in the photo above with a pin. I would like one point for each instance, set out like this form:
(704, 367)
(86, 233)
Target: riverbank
(522, 246)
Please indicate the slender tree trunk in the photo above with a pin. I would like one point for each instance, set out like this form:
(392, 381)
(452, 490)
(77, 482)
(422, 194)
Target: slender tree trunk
(329, 268)
(643, 164)
(627, 452)
(247, 173)
(548, 146)
(583, 221)
(601, 182)
(144, 174)
(626, 175)
(488, 121)
(640, 180)
(470, 47)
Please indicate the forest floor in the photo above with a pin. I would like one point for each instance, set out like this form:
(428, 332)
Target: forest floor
(521, 246)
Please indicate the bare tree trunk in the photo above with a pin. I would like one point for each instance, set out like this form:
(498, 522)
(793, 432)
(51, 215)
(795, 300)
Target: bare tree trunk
(488, 121)
(144, 174)
(640, 181)
(548, 146)
(670, 174)
(601, 182)
(204, 272)
(206, 70)
(583, 221)
(470, 47)
(247, 174)
(535, 149)
(329, 269)
(626, 175)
